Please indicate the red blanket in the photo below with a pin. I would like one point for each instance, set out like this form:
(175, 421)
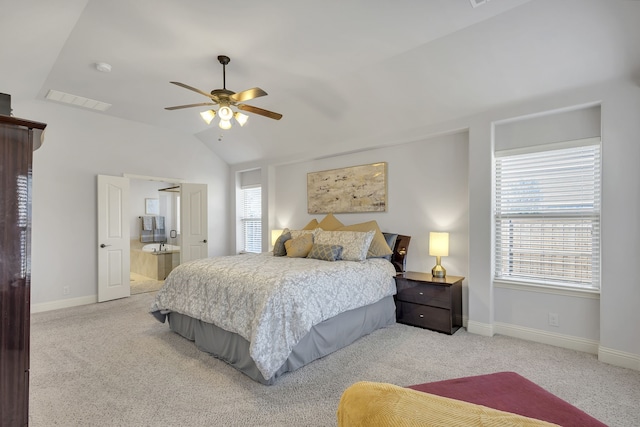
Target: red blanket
(510, 392)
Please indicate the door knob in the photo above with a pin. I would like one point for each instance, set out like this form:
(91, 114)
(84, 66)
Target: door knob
(104, 246)
(204, 241)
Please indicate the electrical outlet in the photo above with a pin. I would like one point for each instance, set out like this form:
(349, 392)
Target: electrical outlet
(554, 319)
(65, 290)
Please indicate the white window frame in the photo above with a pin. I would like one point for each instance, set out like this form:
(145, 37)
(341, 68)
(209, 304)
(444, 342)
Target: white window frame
(251, 218)
(551, 236)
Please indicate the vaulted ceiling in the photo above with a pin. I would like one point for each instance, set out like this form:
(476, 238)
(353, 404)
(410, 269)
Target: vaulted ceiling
(338, 71)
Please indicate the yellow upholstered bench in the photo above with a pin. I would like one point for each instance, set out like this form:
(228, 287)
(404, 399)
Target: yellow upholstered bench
(370, 404)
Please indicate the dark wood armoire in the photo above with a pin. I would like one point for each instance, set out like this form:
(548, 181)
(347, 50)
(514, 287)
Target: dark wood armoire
(18, 139)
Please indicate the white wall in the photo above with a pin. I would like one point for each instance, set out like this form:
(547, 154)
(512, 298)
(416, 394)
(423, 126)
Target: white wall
(78, 146)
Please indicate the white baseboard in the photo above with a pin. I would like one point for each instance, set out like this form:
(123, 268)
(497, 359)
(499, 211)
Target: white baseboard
(484, 329)
(545, 337)
(63, 303)
(619, 358)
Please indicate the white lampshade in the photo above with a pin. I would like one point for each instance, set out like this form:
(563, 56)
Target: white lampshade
(225, 113)
(240, 118)
(208, 115)
(274, 236)
(224, 124)
(438, 244)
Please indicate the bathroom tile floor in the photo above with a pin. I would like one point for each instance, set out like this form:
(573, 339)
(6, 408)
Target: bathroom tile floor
(141, 284)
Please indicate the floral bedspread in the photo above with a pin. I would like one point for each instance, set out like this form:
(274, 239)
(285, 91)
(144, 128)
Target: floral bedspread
(272, 301)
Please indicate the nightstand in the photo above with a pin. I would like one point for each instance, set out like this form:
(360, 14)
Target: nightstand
(429, 302)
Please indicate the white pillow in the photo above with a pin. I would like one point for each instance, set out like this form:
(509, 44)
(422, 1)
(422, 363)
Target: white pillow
(297, 233)
(355, 244)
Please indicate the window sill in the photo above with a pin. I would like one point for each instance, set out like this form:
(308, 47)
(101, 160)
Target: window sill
(548, 289)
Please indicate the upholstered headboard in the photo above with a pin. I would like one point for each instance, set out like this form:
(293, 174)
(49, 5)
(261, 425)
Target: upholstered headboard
(400, 248)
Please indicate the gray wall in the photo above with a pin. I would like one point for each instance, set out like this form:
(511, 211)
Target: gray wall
(553, 126)
(607, 325)
(427, 191)
(79, 145)
(420, 164)
(521, 308)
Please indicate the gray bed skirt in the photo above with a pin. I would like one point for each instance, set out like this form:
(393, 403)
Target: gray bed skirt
(324, 338)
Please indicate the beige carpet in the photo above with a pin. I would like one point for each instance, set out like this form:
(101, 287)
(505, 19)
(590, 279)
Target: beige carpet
(113, 364)
(141, 284)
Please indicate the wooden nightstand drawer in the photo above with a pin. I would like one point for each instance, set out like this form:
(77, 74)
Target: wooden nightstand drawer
(421, 293)
(424, 316)
(429, 302)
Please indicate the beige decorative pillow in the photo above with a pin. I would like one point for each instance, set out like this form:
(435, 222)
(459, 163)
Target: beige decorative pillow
(300, 246)
(330, 223)
(379, 247)
(312, 225)
(354, 243)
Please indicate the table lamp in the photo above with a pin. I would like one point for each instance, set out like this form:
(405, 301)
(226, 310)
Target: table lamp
(438, 247)
(274, 236)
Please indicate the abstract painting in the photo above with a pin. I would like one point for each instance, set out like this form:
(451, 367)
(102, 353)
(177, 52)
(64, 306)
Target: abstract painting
(348, 190)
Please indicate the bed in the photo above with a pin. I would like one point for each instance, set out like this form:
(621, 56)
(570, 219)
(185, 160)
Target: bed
(267, 315)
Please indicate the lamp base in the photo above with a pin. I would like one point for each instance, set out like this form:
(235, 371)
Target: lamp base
(438, 271)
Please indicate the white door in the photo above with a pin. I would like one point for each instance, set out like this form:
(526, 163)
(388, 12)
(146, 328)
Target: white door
(193, 222)
(113, 238)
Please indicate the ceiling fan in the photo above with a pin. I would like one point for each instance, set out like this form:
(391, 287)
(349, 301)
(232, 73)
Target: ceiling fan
(226, 99)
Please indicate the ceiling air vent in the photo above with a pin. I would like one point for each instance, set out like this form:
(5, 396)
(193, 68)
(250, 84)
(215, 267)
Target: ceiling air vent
(76, 100)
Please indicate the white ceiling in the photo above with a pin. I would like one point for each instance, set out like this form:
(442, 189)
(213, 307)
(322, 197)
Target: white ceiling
(339, 71)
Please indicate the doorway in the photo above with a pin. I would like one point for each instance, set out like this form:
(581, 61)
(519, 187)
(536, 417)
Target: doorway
(117, 219)
(154, 233)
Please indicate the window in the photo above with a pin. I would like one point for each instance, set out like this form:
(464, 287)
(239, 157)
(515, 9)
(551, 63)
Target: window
(547, 214)
(252, 219)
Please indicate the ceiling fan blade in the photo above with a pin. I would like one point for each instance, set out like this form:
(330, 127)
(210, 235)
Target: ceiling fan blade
(256, 110)
(178, 107)
(208, 95)
(248, 94)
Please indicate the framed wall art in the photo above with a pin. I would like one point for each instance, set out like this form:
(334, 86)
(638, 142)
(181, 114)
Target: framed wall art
(348, 190)
(152, 206)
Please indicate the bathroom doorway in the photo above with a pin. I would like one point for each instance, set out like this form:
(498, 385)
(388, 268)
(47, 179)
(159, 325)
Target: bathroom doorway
(154, 233)
(120, 218)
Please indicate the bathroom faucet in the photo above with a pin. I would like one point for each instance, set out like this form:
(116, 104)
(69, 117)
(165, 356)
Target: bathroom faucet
(161, 246)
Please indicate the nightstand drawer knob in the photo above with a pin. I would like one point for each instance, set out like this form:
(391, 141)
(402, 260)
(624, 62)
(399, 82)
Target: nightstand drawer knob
(421, 293)
(421, 316)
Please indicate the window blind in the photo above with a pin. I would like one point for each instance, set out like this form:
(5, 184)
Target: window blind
(252, 219)
(547, 215)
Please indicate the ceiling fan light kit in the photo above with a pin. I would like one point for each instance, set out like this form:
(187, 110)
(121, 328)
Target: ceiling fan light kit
(226, 99)
(240, 118)
(208, 115)
(225, 113)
